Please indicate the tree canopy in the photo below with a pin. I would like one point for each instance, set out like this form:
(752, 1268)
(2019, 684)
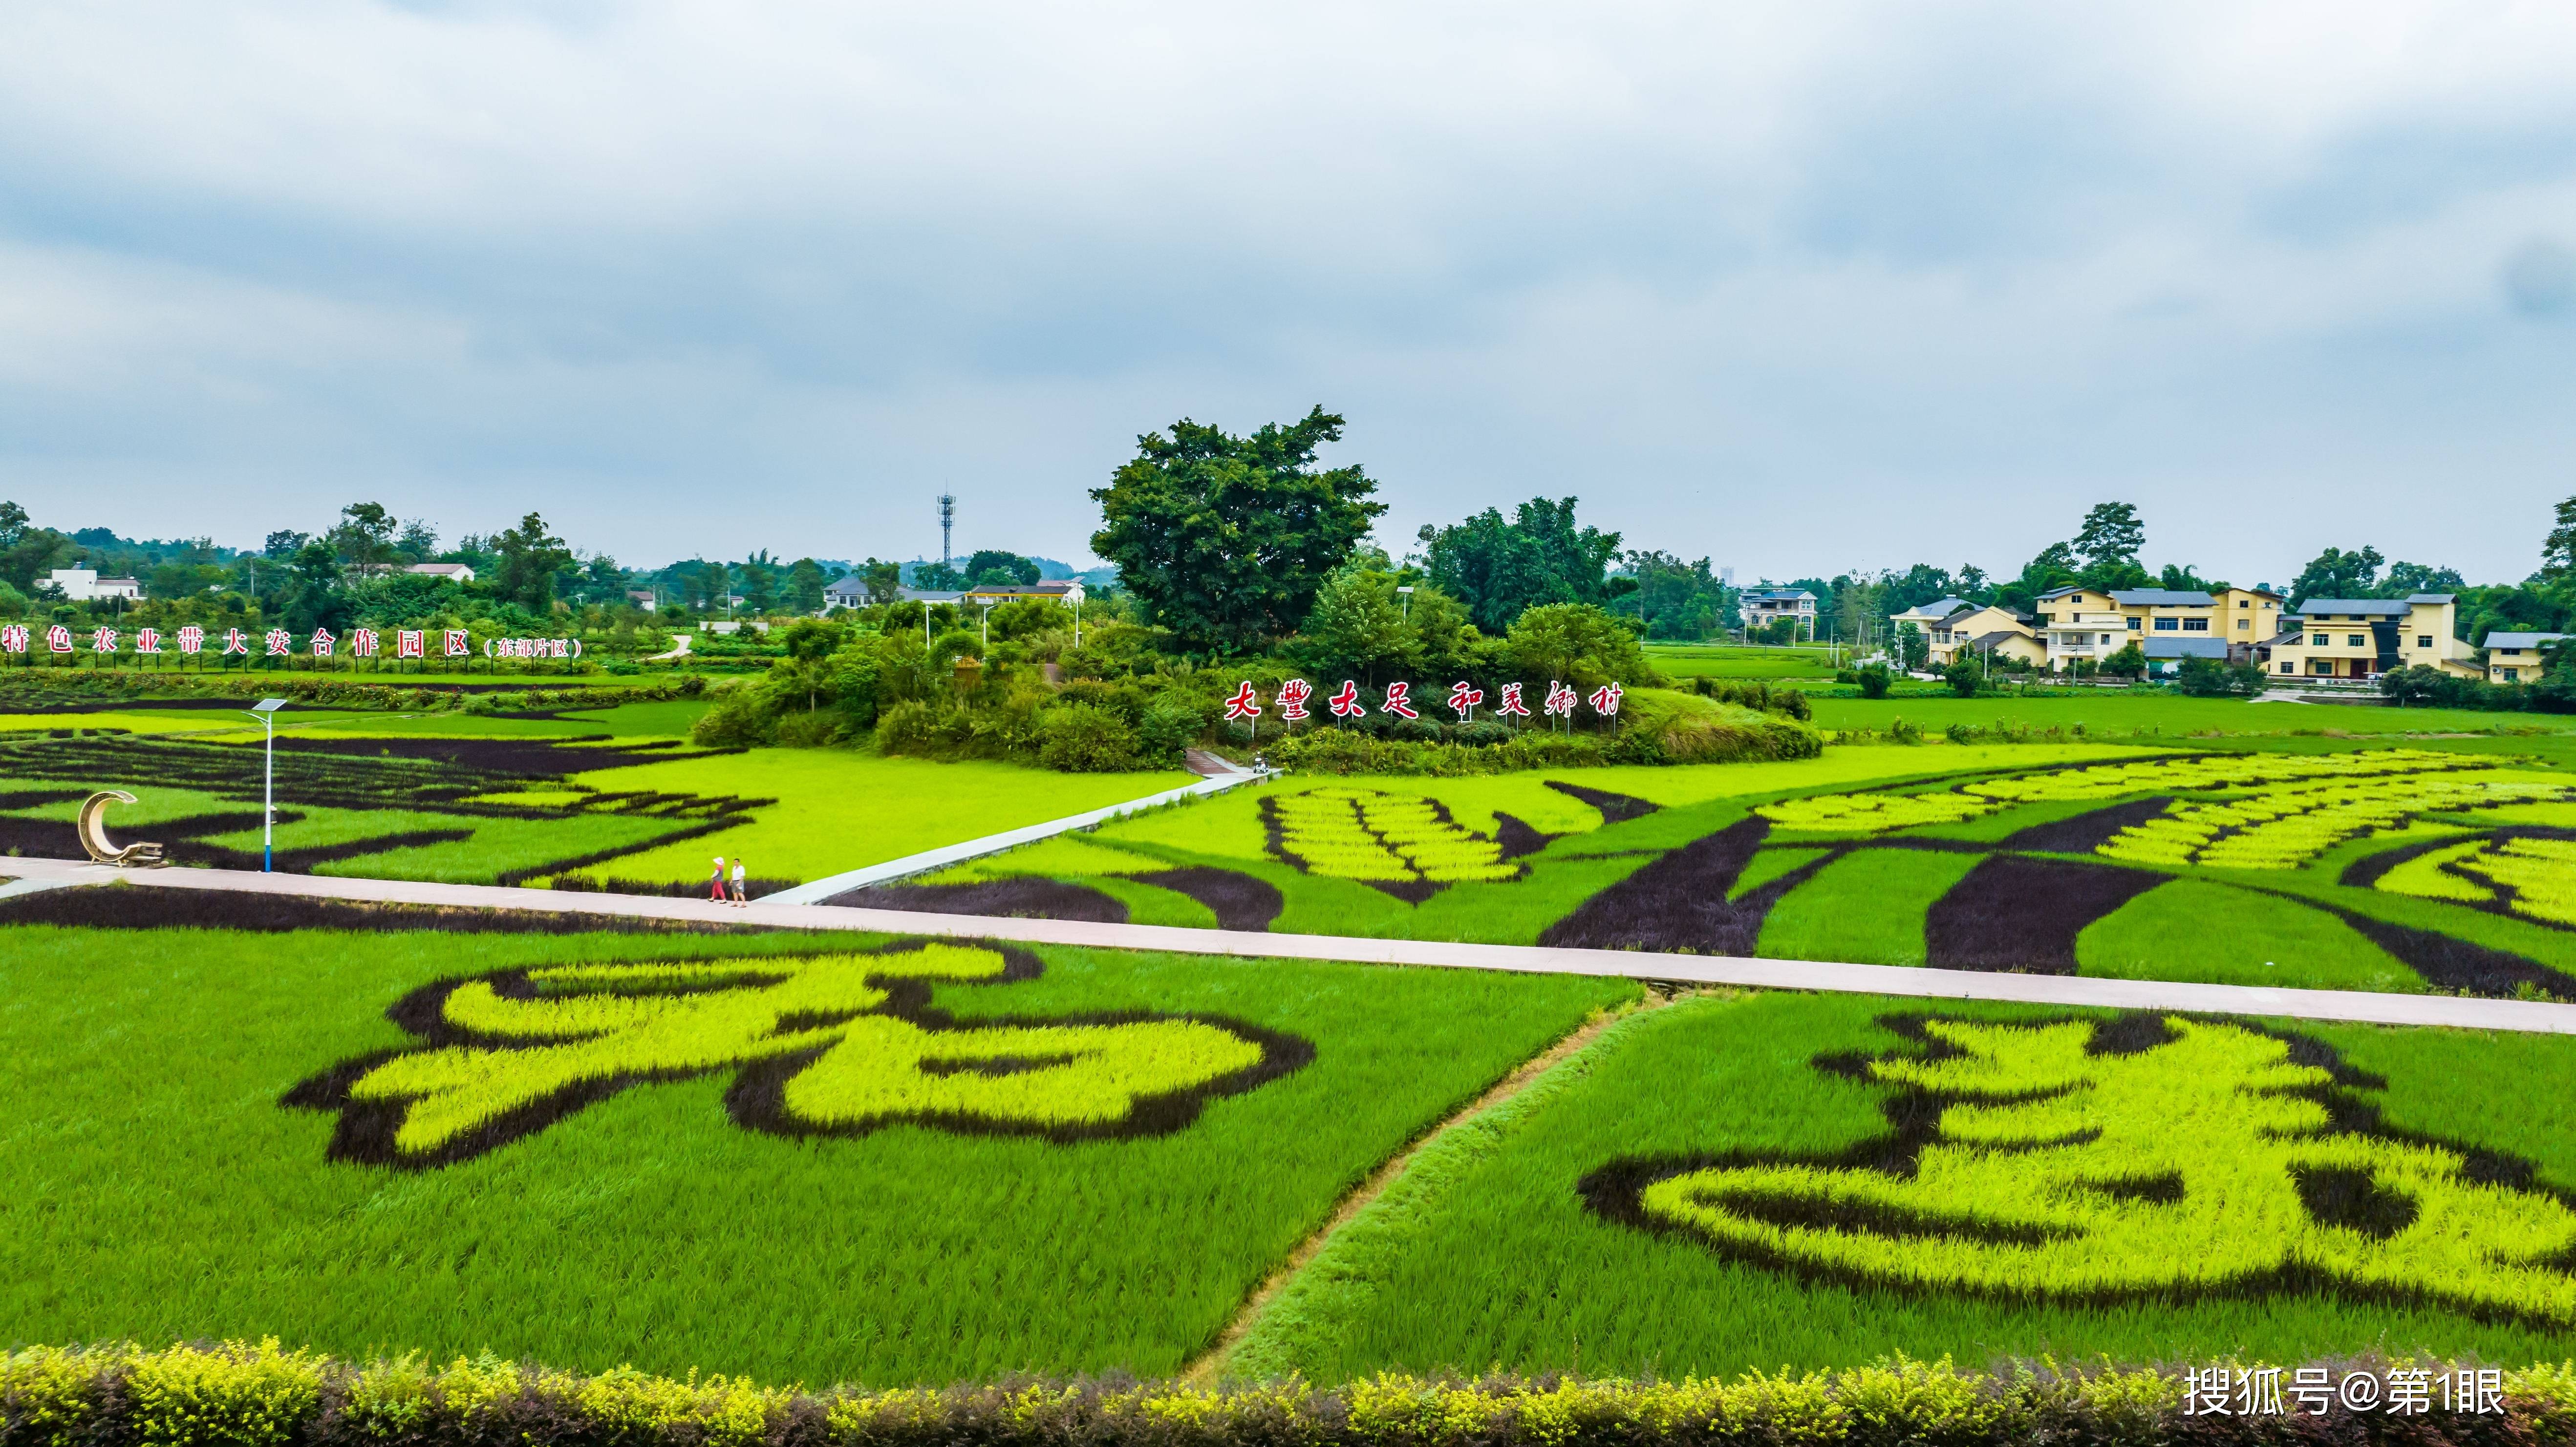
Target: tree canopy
(530, 557)
(1227, 539)
(1498, 567)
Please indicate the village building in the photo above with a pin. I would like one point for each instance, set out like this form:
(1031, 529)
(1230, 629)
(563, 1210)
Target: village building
(1763, 607)
(2363, 638)
(2515, 657)
(84, 585)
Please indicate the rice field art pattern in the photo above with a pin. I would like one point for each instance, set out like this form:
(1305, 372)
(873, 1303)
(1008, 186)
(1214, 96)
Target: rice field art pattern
(826, 1044)
(2139, 1157)
(1403, 844)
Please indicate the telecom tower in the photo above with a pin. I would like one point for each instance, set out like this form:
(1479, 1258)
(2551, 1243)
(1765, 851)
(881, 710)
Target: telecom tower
(947, 520)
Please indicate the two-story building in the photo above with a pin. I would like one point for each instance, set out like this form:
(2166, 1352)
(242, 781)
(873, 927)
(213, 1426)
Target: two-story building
(1990, 630)
(2516, 657)
(2167, 624)
(1763, 607)
(2247, 619)
(2366, 637)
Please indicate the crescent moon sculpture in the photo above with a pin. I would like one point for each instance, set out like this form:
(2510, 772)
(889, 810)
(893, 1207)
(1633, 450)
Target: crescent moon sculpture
(93, 835)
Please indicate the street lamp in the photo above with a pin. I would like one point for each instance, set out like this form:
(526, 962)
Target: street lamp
(266, 712)
(1406, 591)
(987, 623)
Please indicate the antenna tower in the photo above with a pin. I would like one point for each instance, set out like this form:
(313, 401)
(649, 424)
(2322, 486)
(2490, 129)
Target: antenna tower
(947, 520)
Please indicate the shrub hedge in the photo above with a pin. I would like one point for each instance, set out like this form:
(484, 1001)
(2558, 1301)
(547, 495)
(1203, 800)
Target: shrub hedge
(243, 1395)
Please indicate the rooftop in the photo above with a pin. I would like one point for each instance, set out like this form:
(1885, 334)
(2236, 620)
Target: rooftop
(2161, 598)
(2362, 607)
(2163, 645)
(2521, 640)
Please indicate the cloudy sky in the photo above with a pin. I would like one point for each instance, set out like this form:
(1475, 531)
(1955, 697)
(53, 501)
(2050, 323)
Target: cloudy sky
(1802, 286)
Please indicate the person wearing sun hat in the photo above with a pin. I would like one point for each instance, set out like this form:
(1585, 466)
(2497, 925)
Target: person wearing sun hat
(716, 882)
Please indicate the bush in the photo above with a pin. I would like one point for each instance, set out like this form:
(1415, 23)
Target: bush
(909, 727)
(240, 1395)
(1167, 726)
(2209, 678)
(1083, 738)
(1763, 696)
(1874, 680)
(1964, 677)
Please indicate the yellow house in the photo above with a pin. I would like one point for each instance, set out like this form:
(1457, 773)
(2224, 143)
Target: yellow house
(1968, 627)
(2247, 617)
(2515, 657)
(2365, 637)
(2094, 623)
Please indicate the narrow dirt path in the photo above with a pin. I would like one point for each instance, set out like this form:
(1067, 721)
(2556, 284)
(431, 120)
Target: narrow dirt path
(1209, 1365)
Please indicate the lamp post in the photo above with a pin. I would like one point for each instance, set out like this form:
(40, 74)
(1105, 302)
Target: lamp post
(1405, 591)
(266, 712)
(986, 622)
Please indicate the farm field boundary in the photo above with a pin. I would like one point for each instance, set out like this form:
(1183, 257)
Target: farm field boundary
(1922, 983)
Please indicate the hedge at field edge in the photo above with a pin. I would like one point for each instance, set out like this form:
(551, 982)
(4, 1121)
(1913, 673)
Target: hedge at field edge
(240, 1395)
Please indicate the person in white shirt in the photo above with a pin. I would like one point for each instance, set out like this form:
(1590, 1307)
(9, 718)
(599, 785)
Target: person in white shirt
(738, 896)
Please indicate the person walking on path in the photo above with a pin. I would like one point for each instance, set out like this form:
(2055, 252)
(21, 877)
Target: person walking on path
(739, 897)
(715, 882)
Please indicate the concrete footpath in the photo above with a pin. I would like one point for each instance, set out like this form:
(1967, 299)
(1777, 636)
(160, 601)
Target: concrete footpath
(2352, 1005)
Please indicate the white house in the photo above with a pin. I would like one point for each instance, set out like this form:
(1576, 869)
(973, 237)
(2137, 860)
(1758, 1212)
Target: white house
(450, 572)
(82, 585)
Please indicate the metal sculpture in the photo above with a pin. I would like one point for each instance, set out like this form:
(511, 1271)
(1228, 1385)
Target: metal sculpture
(93, 835)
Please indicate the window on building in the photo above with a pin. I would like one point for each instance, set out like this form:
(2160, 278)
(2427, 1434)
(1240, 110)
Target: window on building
(2355, 640)
(2197, 625)
(2322, 667)
(2289, 668)
(2244, 623)
(2423, 640)
(2106, 637)
(2133, 625)
(2163, 625)
(2510, 674)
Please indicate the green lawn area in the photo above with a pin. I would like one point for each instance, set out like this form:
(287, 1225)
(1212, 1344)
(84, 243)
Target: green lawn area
(891, 1224)
(1719, 660)
(1545, 1237)
(2119, 714)
(839, 810)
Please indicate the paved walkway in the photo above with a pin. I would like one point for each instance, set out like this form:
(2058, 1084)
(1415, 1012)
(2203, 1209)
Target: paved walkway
(819, 890)
(2518, 1015)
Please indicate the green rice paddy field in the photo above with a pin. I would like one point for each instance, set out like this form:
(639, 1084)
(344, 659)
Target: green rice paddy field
(1732, 1184)
(879, 1160)
(1170, 1130)
(614, 795)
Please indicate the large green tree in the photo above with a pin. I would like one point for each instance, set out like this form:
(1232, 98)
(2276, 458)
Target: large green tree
(1228, 538)
(364, 536)
(530, 556)
(27, 550)
(1360, 627)
(2110, 535)
(2335, 573)
(993, 568)
(805, 585)
(1499, 567)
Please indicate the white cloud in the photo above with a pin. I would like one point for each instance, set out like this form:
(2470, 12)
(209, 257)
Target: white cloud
(1804, 285)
